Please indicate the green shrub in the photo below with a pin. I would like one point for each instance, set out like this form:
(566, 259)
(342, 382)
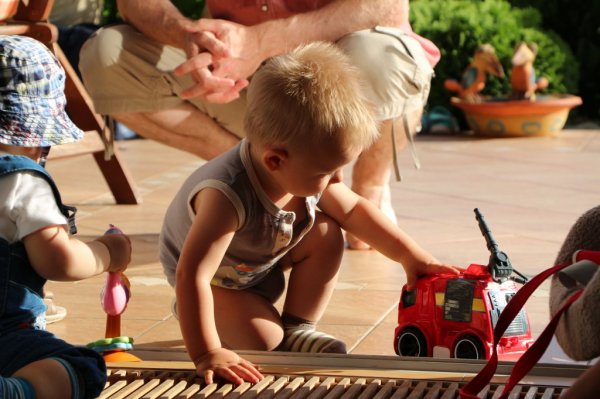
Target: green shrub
(457, 27)
(576, 21)
(190, 8)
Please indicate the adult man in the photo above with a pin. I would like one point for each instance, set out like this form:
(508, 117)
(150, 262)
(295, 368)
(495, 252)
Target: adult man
(181, 81)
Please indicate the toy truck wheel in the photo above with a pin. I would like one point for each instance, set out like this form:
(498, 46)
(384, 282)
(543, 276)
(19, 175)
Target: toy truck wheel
(411, 342)
(469, 347)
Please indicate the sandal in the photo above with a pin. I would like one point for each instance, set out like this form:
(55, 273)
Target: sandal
(54, 312)
(374, 194)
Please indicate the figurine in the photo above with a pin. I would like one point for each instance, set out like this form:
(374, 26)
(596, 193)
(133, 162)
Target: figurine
(473, 79)
(522, 79)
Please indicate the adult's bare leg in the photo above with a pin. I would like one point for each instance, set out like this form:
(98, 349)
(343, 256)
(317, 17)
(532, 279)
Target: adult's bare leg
(373, 168)
(184, 127)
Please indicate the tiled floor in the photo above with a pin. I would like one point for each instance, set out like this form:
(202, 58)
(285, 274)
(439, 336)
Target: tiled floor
(530, 190)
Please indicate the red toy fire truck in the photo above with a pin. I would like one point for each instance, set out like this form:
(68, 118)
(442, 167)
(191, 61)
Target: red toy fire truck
(454, 316)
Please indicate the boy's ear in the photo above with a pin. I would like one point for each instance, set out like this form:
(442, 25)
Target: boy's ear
(274, 158)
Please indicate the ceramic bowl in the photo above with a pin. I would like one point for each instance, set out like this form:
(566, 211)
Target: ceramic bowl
(546, 115)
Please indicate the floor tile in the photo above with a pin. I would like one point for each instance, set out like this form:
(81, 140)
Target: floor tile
(530, 190)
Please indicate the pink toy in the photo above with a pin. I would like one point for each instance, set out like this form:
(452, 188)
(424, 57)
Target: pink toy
(115, 294)
(114, 298)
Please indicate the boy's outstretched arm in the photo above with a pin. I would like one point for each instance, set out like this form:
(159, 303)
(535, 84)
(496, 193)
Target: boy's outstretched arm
(55, 255)
(364, 220)
(206, 243)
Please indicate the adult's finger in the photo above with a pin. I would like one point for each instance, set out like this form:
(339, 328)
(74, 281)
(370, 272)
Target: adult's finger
(216, 90)
(209, 42)
(195, 63)
(191, 48)
(226, 96)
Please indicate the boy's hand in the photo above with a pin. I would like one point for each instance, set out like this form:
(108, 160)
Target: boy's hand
(426, 264)
(119, 248)
(226, 364)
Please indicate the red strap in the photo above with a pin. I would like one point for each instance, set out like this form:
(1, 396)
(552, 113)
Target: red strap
(535, 352)
(526, 362)
(587, 254)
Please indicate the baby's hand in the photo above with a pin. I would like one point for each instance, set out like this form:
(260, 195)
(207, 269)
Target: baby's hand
(226, 364)
(119, 248)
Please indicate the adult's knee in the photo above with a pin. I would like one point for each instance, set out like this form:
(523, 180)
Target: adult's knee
(99, 63)
(102, 49)
(124, 71)
(400, 78)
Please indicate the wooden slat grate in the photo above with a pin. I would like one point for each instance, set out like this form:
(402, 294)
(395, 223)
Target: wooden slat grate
(164, 384)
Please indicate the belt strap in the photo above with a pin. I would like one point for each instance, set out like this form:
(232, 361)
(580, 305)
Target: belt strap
(533, 353)
(411, 146)
(108, 137)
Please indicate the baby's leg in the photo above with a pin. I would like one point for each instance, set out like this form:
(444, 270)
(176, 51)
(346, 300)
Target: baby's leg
(16, 388)
(246, 320)
(315, 263)
(53, 367)
(49, 378)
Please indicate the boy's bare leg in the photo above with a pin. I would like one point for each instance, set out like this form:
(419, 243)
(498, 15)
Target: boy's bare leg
(238, 310)
(315, 264)
(184, 127)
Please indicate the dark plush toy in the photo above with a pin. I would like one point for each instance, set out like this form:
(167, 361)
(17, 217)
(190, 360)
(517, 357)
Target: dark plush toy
(578, 332)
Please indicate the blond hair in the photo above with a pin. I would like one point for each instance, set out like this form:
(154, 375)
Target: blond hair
(311, 95)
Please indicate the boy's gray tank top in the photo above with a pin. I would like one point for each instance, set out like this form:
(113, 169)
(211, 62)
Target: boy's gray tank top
(265, 232)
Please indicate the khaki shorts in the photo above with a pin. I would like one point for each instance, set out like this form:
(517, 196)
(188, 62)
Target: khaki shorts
(125, 71)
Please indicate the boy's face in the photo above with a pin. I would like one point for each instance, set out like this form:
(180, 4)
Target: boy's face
(309, 170)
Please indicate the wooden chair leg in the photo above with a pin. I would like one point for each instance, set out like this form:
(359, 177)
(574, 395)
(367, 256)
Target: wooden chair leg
(80, 110)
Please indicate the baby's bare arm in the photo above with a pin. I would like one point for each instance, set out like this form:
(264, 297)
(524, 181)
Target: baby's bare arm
(57, 256)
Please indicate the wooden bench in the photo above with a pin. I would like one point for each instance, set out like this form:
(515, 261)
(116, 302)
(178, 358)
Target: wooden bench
(168, 373)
